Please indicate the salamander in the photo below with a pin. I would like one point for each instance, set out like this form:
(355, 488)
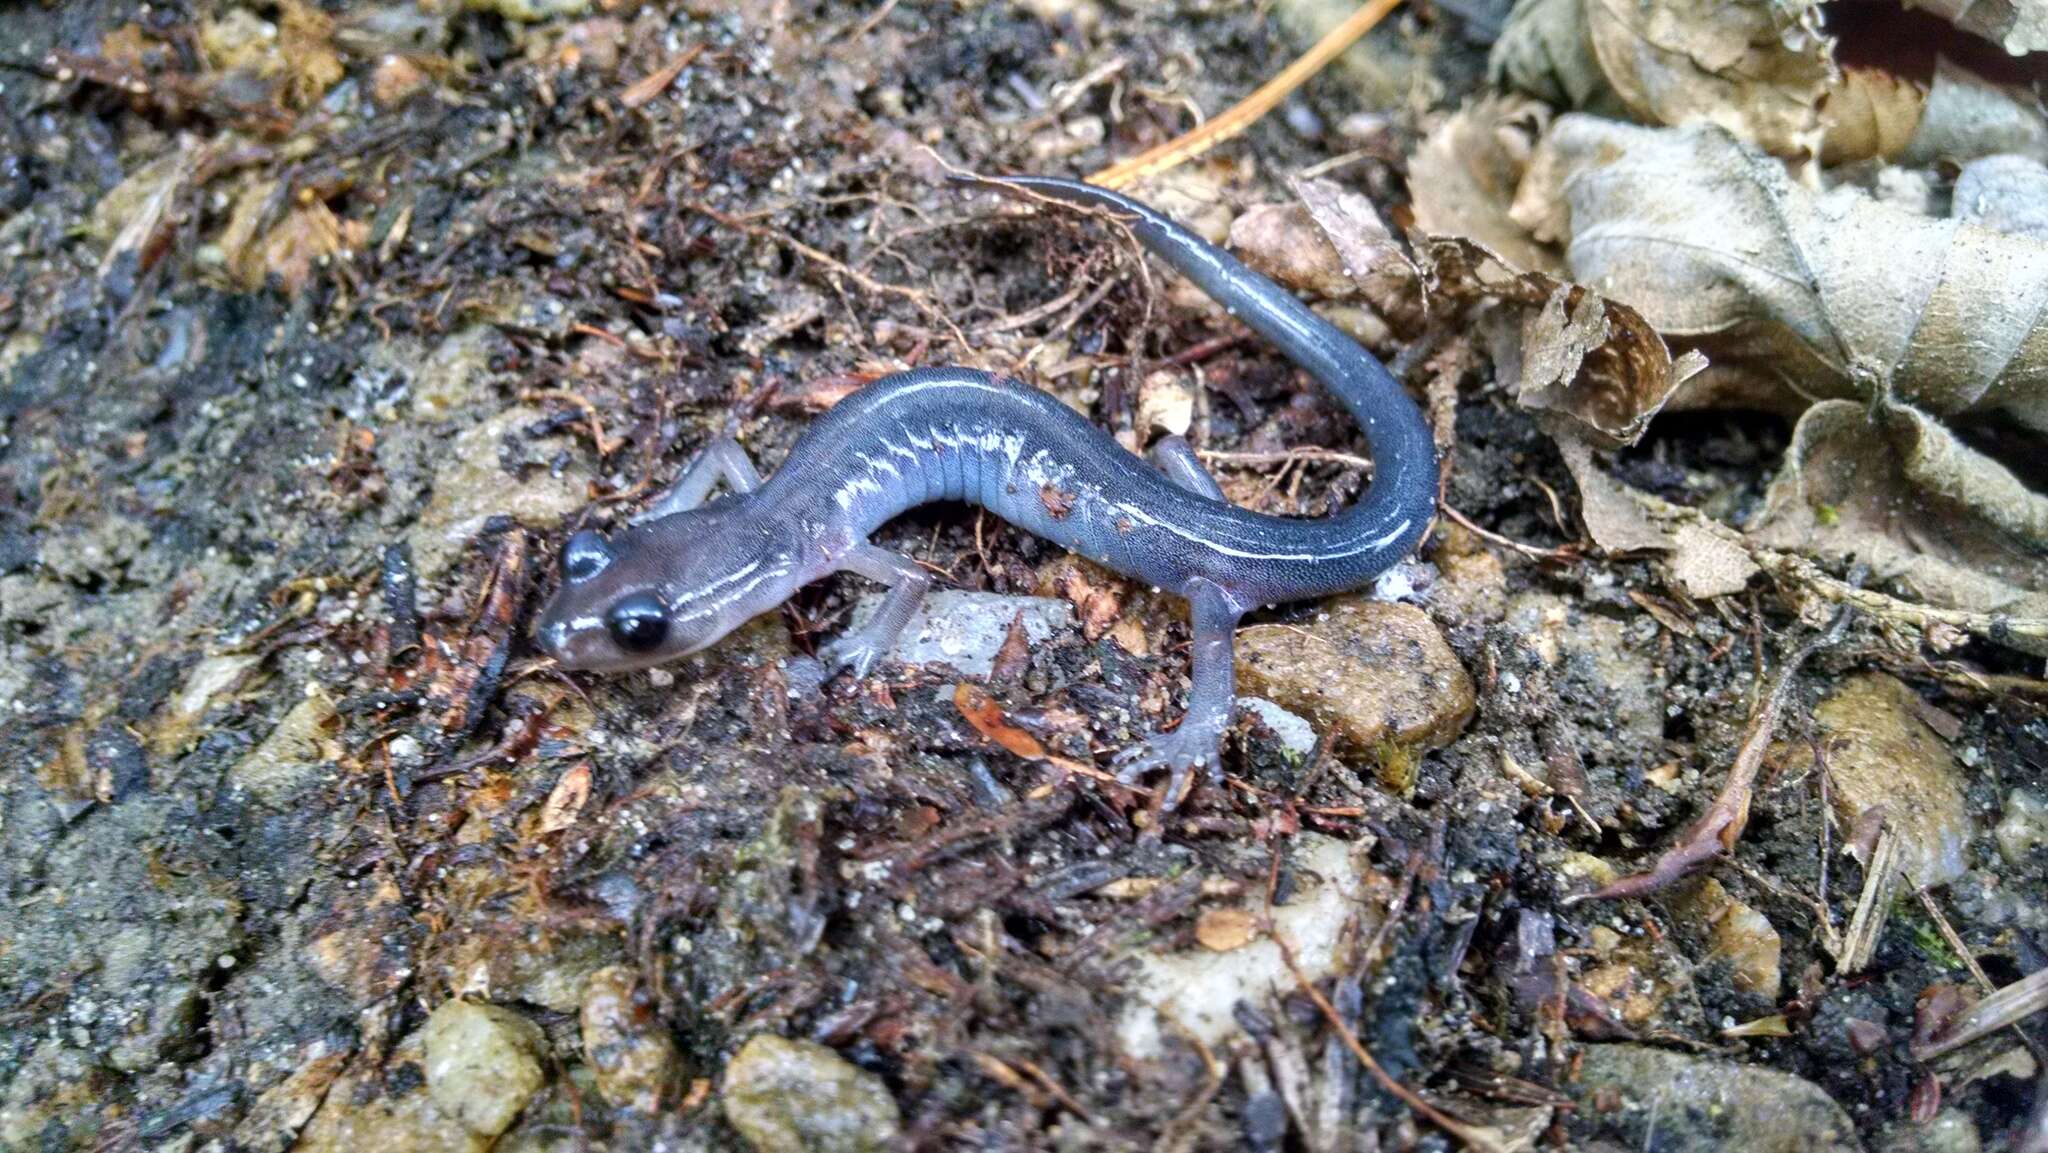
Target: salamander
(690, 569)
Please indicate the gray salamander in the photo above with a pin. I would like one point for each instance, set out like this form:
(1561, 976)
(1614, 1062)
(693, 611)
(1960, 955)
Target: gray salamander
(690, 570)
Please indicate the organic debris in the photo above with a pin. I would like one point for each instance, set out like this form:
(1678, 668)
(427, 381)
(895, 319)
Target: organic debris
(323, 326)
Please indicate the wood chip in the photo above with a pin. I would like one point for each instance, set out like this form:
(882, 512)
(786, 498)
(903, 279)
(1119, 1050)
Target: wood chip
(567, 798)
(657, 81)
(1221, 930)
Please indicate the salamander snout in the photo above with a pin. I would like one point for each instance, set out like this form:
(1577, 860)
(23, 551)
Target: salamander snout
(661, 590)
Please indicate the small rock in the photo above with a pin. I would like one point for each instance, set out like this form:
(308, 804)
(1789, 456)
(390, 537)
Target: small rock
(451, 378)
(966, 629)
(291, 758)
(1339, 901)
(472, 487)
(1372, 672)
(1581, 656)
(1296, 735)
(2024, 827)
(529, 11)
(1166, 402)
(1474, 584)
(482, 1064)
(1700, 1103)
(1734, 932)
(274, 1121)
(789, 1096)
(1282, 241)
(385, 1110)
(1881, 754)
(625, 1042)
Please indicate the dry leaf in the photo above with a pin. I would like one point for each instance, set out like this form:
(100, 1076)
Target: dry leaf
(1371, 258)
(1967, 116)
(1463, 177)
(982, 711)
(1282, 241)
(1221, 930)
(566, 800)
(304, 234)
(1559, 347)
(2018, 26)
(1759, 68)
(135, 217)
(1925, 511)
(1870, 114)
(1790, 291)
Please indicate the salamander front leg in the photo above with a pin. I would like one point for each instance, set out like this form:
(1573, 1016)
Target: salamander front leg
(861, 648)
(722, 460)
(1175, 457)
(1199, 739)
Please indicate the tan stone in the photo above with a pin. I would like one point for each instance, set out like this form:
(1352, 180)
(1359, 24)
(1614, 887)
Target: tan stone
(1369, 673)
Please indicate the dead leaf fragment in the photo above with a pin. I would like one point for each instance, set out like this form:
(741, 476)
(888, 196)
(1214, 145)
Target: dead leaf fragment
(1463, 177)
(1368, 255)
(1282, 241)
(1759, 68)
(1870, 114)
(1221, 930)
(982, 711)
(566, 800)
(1561, 348)
(1921, 508)
(1792, 292)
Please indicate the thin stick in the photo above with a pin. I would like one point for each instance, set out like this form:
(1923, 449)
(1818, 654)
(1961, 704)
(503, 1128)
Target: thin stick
(1247, 112)
(1477, 1136)
(1566, 555)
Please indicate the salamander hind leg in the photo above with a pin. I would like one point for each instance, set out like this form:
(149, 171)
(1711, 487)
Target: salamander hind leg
(1175, 457)
(1198, 741)
(863, 647)
(722, 460)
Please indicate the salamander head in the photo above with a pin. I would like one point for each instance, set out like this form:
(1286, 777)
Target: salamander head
(663, 589)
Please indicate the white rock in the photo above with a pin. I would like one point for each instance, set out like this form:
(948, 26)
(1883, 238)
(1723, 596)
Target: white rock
(966, 629)
(1198, 988)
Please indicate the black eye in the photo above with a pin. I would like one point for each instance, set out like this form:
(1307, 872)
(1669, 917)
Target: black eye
(585, 556)
(638, 623)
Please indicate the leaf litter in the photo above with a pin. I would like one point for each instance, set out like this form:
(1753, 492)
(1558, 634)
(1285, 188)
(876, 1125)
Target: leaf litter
(1728, 326)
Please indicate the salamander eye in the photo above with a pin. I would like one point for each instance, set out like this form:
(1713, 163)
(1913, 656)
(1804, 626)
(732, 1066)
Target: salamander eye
(638, 623)
(585, 556)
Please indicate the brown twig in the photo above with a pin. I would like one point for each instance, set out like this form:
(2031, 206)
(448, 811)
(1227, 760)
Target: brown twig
(1247, 112)
(1718, 829)
(1569, 554)
(837, 267)
(1477, 1136)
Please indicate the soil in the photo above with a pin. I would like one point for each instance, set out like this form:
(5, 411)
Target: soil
(284, 772)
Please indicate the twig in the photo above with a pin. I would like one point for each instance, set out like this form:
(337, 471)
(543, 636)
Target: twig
(1247, 112)
(1477, 1136)
(918, 300)
(1977, 973)
(2008, 1006)
(1874, 906)
(656, 82)
(1717, 830)
(1565, 555)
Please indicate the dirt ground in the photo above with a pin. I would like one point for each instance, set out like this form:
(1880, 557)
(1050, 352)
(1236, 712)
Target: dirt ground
(319, 340)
